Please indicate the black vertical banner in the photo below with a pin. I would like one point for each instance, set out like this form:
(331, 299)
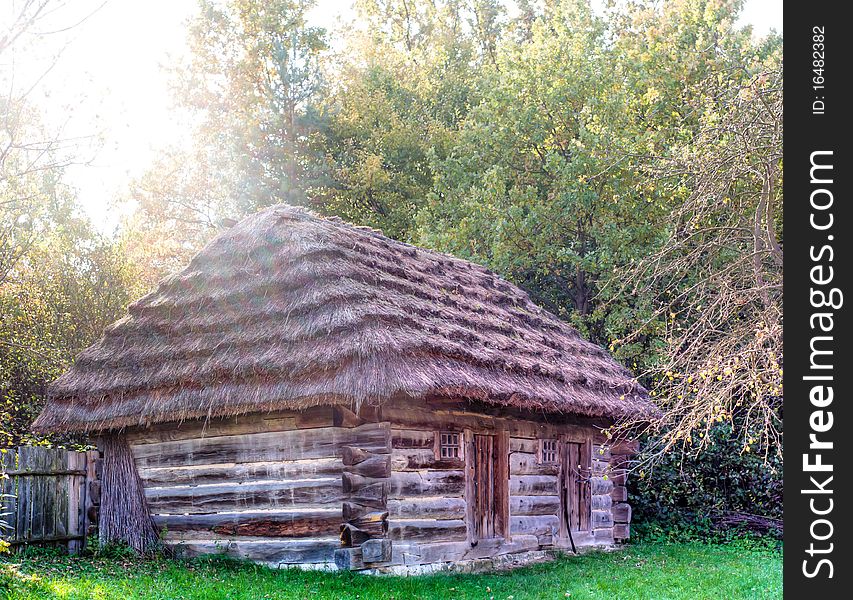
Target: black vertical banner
(818, 367)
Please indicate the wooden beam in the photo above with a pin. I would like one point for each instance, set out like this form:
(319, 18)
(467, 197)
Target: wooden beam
(426, 483)
(374, 551)
(601, 502)
(534, 505)
(521, 463)
(601, 519)
(412, 438)
(535, 525)
(262, 447)
(230, 497)
(418, 459)
(241, 473)
(621, 512)
(344, 417)
(277, 552)
(533, 485)
(352, 536)
(427, 508)
(427, 530)
(349, 559)
(600, 486)
(426, 553)
(525, 445)
(310, 418)
(298, 522)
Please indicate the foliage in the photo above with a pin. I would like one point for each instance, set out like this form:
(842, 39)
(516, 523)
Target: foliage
(403, 87)
(537, 185)
(646, 571)
(60, 284)
(31, 158)
(717, 279)
(249, 87)
(720, 493)
(68, 287)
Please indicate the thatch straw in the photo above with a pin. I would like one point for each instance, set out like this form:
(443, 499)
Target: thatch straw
(124, 515)
(288, 310)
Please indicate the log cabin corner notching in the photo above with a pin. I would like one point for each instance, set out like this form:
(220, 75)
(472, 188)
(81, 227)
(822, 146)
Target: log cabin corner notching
(307, 392)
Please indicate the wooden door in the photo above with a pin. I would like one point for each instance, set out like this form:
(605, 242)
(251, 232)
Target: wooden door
(574, 486)
(487, 485)
(484, 513)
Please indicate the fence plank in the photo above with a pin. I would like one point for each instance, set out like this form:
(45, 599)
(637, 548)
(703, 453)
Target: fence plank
(37, 493)
(22, 528)
(50, 485)
(8, 496)
(72, 500)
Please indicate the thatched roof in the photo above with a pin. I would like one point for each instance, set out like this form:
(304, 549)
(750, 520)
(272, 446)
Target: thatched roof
(289, 310)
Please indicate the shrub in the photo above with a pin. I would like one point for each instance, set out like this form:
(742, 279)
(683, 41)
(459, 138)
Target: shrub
(721, 492)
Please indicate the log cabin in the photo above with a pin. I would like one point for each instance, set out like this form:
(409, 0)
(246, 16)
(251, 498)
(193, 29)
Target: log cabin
(312, 393)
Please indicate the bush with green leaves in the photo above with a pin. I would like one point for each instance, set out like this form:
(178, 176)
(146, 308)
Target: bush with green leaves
(715, 494)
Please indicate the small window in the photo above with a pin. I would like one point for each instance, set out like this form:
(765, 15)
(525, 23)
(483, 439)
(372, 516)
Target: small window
(449, 446)
(548, 451)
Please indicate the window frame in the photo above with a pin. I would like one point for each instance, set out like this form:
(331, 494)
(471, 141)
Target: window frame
(553, 452)
(440, 446)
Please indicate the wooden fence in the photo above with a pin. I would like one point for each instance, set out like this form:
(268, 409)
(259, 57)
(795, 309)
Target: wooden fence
(45, 496)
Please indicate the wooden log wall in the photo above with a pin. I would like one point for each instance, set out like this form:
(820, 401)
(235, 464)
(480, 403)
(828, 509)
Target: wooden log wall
(326, 486)
(267, 487)
(534, 488)
(601, 486)
(366, 481)
(535, 507)
(620, 456)
(426, 502)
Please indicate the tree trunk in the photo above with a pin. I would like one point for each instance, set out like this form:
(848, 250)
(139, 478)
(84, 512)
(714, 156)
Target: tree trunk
(124, 515)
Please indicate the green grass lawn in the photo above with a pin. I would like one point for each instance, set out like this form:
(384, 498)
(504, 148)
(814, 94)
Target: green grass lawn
(653, 571)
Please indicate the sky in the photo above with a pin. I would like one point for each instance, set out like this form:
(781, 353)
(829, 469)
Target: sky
(109, 86)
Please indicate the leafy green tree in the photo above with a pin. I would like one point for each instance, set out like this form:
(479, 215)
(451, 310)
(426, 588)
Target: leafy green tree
(57, 301)
(538, 186)
(250, 85)
(406, 81)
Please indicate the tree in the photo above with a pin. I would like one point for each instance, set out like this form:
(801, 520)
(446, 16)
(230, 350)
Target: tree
(250, 84)
(538, 186)
(644, 147)
(406, 81)
(31, 158)
(57, 301)
(60, 283)
(717, 280)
